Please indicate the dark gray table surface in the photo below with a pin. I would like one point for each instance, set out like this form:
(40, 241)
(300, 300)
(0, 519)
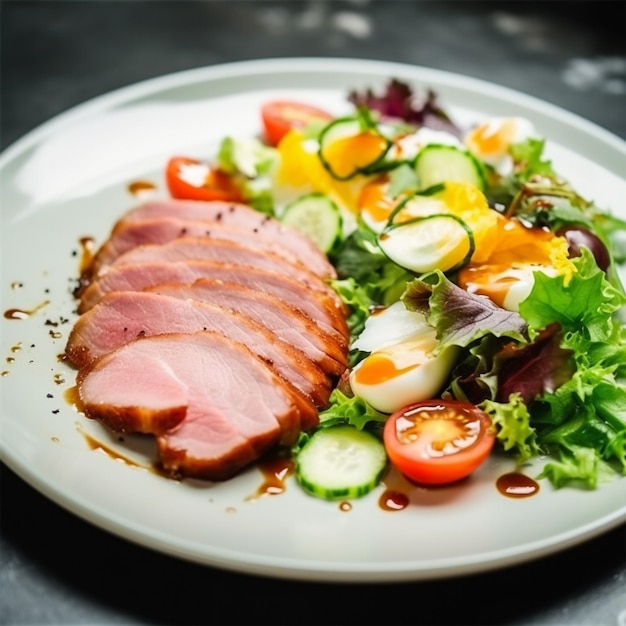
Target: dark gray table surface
(57, 569)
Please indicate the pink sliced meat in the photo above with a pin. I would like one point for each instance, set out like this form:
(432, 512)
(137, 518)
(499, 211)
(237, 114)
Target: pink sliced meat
(230, 408)
(329, 351)
(200, 248)
(234, 214)
(312, 293)
(122, 317)
(127, 235)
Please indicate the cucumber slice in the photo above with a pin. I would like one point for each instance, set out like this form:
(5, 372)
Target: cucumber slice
(437, 164)
(341, 462)
(352, 145)
(318, 217)
(439, 241)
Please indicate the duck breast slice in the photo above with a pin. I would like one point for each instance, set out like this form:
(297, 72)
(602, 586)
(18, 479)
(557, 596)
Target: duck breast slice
(330, 352)
(130, 234)
(234, 214)
(201, 248)
(312, 293)
(235, 409)
(123, 316)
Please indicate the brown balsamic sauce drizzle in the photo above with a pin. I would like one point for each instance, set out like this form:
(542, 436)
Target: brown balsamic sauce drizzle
(141, 188)
(517, 485)
(94, 444)
(391, 500)
(87, 253)
(275, 470)
(395, 496)
(22, 314)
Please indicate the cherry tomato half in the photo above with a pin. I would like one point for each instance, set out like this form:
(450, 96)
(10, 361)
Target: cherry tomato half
(281, 116)
(438, 441)
(191, 179)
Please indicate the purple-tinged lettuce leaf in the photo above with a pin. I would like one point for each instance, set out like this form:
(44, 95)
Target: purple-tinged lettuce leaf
(459, 317)
(534, 369)
(399, 103)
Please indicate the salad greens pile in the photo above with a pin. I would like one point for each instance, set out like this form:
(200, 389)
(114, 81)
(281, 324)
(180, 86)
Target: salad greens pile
(552, 376)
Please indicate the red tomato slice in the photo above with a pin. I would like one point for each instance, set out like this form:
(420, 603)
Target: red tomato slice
(280, 116)
(438, 441)
(191, 179)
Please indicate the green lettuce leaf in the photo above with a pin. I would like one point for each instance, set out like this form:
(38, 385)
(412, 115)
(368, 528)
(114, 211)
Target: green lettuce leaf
(513, 423)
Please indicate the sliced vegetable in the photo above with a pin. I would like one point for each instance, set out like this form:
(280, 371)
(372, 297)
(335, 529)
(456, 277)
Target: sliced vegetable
(281, 116)
(340, 462)
(436, 164)
(438, 441)
(352, 145)
(318, 217)
(440, 241)
(192, 179)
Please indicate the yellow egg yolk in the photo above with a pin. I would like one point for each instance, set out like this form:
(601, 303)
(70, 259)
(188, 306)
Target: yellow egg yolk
(377, 368)
(375, 201)
(348, 154)
(492, 140)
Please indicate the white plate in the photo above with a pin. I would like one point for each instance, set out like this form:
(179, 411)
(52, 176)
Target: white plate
(69, 179)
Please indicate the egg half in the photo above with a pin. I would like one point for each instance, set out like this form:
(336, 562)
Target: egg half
(404, 364)
(507, 287)
(492, 140)
(507, 274)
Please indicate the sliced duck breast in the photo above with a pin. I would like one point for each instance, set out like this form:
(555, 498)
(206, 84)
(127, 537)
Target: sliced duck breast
(234, 214)
(201, 248)
(122, 317)
(229, 293)
(232, 408)
(312, 293)
(330, 352)
(161, 230)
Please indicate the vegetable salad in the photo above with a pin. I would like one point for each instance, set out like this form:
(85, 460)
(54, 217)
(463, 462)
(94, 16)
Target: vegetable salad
(485, 304)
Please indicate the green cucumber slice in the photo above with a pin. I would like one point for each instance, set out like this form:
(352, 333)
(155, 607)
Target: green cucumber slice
(437, 164)
(318, 217)
(341, 462)
(345, 128)
(440, 241)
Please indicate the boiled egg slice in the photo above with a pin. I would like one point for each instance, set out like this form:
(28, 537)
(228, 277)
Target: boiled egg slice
(492, 140)
(505, 286)
(398, 375)
(406, 147)
(507, 274)
(389, 326)
(404, 364)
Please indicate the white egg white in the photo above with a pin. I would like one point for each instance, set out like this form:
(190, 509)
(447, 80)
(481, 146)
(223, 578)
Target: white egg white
(416, 370)
(390, 326)
(419, 374)
(511, 130)
(510, 287)
(407, 146)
